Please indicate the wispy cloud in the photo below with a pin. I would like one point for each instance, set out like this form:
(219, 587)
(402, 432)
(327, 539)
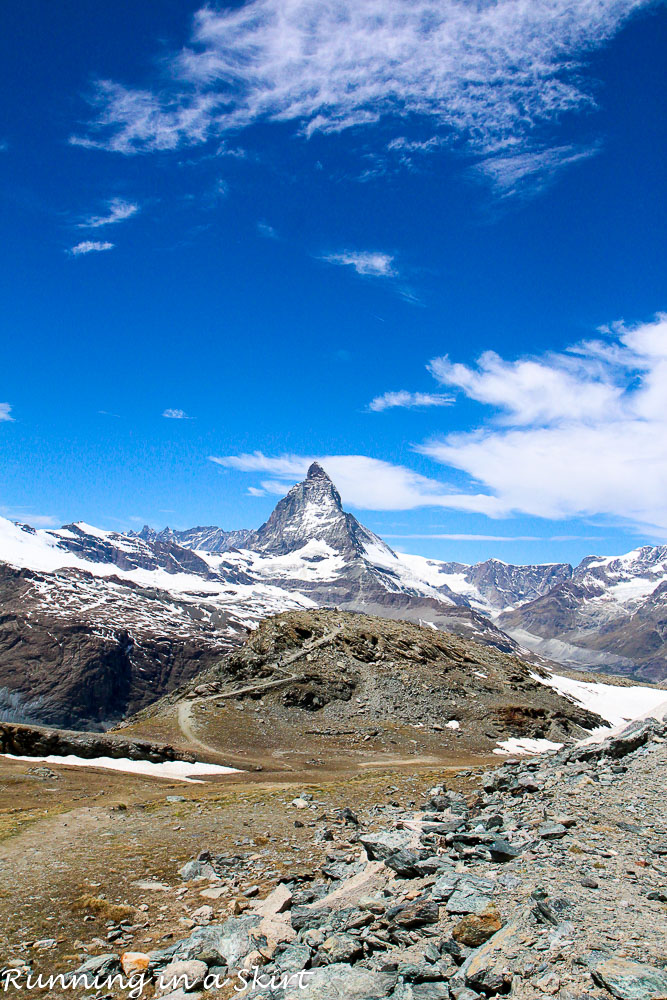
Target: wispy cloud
(172, 414)
(486, 76)
(6, 411)
(509, 173)
(90, 246)
(255, 491)
(366, 263)
(498, 538)
(410, 400)
(118, 210)
(267, 231)
(24, 515)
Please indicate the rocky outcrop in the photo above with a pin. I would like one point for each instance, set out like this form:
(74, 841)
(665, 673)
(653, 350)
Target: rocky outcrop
(33, 741)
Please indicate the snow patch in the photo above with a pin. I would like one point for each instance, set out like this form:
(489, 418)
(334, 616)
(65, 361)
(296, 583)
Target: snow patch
(179, 770)
(613, 702)
(525, 746)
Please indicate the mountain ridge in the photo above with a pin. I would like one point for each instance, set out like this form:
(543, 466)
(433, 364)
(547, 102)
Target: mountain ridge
(156, 606)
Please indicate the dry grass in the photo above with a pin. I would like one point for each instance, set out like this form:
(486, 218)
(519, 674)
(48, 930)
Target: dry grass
(101, 907)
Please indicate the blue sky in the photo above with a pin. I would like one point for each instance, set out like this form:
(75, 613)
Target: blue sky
(423, 242)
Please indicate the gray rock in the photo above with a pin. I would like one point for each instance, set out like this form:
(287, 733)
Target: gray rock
(444, 886)
(334, 982)
(551, 831)
(99, 966)
(187, 976)
(340, 948)
(380, 846)
(490, 968)
(293, 959)
(472, 894)
(629, 980)
(196, 869)
(421, 991)
(405, 863)
(414, 914)
(219, 944)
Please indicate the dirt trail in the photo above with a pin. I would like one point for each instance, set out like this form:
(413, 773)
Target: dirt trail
(185, 708)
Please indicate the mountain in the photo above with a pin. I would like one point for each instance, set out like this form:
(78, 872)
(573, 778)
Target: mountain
(206, 539)
(611, 614)
(95, 624)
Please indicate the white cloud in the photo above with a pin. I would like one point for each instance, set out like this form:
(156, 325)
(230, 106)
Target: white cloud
(365, 263)
(118, 211)
(254, 491)
(172, 414)
(403, 398)
(585, 432)
(90, 246)
(489, 75)
(363, 482)
(580, 434)
(6, 411)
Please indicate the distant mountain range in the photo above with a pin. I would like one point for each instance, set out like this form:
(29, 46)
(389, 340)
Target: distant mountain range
(95, 624)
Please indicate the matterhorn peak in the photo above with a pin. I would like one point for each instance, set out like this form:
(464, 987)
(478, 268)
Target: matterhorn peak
(315, 471)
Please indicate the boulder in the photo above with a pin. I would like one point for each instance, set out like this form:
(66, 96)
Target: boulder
(629, 980)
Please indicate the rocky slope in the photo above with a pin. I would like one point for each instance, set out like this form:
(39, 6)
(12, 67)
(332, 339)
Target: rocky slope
(515, 887)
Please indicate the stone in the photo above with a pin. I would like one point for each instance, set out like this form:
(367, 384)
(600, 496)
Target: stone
(197, 869)
(415, 914)
(100, 965)
(219, 944)
(405, 863)
(203, 915)
(134, 961)
(502, 850)
(380, 846)
(551, 831)
(185, 976)
(340, 948)
(334, 982)
(467, 899)
(279, 900)
(474, 929)
(213, 893)
(629, 980)
(490, 968)
(548, 984)
(444, 886)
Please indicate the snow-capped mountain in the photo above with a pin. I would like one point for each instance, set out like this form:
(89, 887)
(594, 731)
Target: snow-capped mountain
(95, 623)
(611, 614)
(206, 539)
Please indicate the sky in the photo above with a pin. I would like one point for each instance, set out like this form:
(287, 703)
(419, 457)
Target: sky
(422, 241)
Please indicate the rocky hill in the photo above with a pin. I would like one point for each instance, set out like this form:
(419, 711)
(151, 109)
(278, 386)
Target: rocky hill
(333, 671)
